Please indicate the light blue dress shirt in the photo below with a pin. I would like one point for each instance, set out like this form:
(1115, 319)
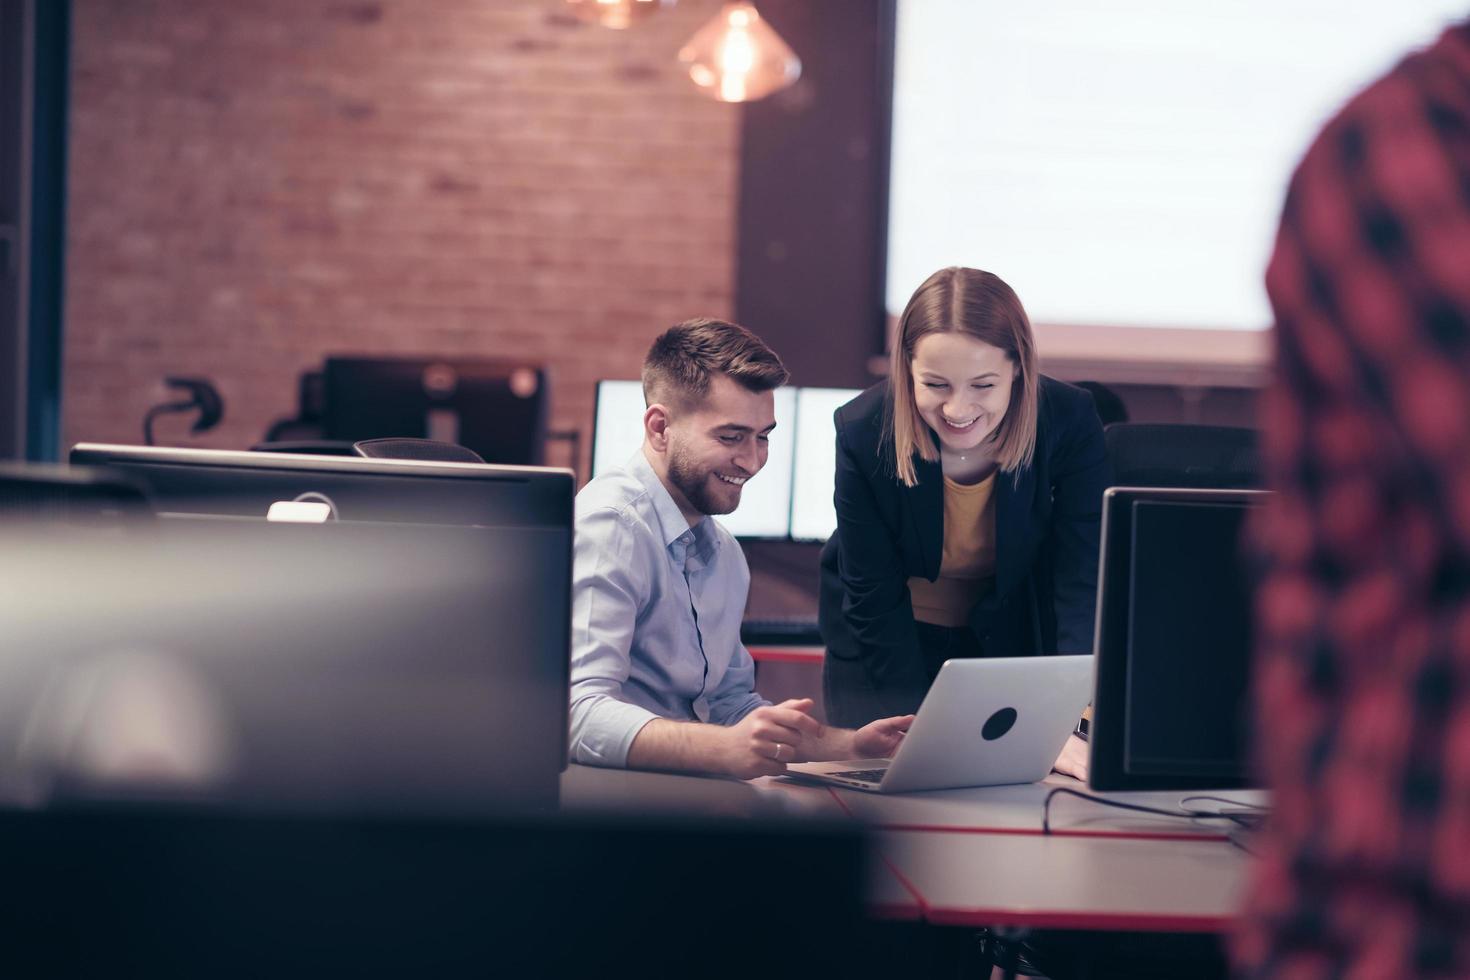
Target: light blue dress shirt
(656, 610)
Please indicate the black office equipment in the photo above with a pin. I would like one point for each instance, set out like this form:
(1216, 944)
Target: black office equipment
(220, 483)
(424, 450)
(1203, 456)
(1173, 641)
(496, 408)
(201, 394)
(519, 519)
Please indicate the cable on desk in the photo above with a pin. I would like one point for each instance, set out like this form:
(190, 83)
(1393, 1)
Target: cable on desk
(1244, 805)
(1181, 813)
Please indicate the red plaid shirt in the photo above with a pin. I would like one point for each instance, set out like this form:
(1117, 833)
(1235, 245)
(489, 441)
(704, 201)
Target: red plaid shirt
(1363, 619)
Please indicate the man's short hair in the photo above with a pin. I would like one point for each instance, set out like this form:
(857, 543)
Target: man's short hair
(684, 357)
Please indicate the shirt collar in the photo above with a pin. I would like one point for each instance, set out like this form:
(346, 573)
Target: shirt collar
(700, 538)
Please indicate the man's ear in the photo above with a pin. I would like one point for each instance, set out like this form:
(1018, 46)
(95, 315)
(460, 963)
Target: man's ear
(656, 427)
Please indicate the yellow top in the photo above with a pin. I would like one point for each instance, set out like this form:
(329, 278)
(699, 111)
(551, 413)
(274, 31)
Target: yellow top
(967, 570)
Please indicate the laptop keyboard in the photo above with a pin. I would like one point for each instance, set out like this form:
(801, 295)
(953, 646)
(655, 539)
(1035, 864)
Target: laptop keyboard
(862, 775)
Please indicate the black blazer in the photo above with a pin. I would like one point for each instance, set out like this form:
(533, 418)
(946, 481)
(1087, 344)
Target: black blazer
(1047, 523)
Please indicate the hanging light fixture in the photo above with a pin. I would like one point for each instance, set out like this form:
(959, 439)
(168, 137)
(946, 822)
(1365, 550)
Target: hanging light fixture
(737, 57)
(617, 14)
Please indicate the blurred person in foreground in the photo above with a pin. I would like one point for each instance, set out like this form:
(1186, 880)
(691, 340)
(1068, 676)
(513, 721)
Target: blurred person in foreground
(660, 679)
(1363, 670)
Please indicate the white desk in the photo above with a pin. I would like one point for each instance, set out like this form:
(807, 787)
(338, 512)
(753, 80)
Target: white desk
(1095, 883)
(1018, 809)
(979, 857)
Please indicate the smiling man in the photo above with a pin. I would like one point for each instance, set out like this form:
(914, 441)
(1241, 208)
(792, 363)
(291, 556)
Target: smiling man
(660, 679)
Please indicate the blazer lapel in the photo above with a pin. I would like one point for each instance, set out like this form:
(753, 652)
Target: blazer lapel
(926, 514)
(1012, 525)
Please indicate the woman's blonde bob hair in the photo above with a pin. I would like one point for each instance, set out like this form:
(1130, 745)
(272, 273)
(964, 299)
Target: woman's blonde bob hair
(977, 304)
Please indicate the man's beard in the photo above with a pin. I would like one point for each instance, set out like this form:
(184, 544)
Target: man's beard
(694, 484)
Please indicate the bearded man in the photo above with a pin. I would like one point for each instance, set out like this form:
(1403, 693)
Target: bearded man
(660, 679)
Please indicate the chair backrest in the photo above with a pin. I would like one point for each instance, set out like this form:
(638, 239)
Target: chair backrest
(1204, 456)
(313, 447)
(424, 450)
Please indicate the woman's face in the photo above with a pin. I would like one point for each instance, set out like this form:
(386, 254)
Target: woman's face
(962, 388)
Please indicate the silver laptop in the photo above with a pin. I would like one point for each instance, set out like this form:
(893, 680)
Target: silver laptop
(984, 722)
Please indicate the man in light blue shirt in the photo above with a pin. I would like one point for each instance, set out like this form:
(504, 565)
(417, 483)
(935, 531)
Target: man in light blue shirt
(660, 679)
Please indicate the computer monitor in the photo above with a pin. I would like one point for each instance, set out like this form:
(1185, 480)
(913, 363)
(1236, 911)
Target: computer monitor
(1173, 641)
(496, 408)
(339, 669)
(221, 483)
(765, 503)
(813, 515)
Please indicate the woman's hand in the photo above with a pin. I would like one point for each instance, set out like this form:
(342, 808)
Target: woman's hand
(1073, 760)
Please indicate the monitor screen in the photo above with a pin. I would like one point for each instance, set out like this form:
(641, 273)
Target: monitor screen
(496, 408)
(765, 503)
(1099, 142)
(813, 516)
(1173, 641)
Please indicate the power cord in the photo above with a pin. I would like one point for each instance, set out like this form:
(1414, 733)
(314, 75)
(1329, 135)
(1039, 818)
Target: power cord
(1246, 816)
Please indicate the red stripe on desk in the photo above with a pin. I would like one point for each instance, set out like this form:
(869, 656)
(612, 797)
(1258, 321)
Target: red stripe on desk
(1095, 921)
(841, 802)
(788, 655)
(918, 910)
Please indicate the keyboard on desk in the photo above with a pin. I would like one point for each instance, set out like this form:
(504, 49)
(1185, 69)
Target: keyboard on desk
(874, 776)
(783, 631)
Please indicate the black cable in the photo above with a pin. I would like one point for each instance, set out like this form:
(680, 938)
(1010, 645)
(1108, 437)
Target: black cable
(1244, 805)
(1137, 807)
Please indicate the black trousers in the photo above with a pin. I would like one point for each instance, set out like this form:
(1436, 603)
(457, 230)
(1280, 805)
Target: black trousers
(853, 698)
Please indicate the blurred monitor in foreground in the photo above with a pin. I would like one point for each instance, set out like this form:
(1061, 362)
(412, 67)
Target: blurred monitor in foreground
(148, 893)
(1173, 641)
(335, 668)
(496, 408)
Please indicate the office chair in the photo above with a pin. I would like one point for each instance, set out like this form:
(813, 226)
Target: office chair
(1203, 456)
(1110, 407)
(314, 447)
(423, 450)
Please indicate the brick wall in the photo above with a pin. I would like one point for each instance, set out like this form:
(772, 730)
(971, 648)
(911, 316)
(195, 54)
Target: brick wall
(254, 185)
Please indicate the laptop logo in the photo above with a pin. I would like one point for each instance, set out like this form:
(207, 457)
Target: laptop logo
(998, 724)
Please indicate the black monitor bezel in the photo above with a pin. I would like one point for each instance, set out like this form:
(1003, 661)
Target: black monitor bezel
(105, 455)
(1106, 769)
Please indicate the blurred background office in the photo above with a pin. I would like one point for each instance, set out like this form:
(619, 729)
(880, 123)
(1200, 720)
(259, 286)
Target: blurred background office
(236, 191)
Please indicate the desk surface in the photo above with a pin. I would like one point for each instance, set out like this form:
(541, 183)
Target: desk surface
(983, 860)
(1069, 882)
(1018, 810)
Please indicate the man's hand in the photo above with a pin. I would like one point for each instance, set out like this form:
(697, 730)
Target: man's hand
(880, 739)
(1073, 760)
(766, 739)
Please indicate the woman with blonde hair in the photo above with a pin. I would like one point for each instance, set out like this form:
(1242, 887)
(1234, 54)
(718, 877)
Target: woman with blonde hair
(969, 493)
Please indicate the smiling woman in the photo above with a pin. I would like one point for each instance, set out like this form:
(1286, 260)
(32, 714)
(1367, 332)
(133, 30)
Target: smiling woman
(968, 495)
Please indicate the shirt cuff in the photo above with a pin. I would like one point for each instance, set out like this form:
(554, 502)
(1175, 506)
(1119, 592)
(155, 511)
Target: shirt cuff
(607, 731)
